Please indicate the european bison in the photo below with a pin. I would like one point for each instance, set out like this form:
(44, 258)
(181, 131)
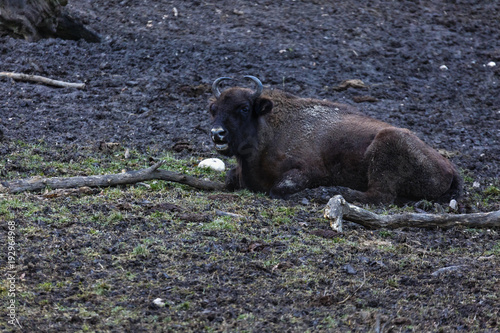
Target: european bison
(284, 144)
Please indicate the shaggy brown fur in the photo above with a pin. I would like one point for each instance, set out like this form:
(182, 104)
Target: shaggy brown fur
(284, 144)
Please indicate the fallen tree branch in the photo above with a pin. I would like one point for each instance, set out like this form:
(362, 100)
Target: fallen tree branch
(338, 210)
(131, 177)
(448, 269)
(221, 213)
(41, 79)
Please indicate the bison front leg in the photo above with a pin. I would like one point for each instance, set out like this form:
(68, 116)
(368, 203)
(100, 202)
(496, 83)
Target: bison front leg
(291, 182)
(233, 179)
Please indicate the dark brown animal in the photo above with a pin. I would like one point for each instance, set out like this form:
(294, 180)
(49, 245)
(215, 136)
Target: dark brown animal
(284, 144)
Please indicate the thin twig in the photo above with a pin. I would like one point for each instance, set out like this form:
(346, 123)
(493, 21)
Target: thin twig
(448, 269)
(41, 79)
(377, 323)
(386, 324)
(221, 213)
(355, 291)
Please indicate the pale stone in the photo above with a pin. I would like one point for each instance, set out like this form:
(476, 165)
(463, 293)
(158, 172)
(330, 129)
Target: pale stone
(213, 163)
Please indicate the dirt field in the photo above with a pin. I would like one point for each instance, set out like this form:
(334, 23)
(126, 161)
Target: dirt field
(96, 261)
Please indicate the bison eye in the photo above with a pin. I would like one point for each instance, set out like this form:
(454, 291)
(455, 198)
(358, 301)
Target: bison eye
(212, 109)
(244, 110)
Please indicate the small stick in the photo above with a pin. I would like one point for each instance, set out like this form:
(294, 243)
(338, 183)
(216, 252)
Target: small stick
(448, 269)
(221, 213)
(355, 291)
(41, 79)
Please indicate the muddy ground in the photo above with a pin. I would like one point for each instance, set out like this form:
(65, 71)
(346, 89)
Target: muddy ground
(97, 261)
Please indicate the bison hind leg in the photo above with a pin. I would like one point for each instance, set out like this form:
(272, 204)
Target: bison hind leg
(371, 196)
(403, 165)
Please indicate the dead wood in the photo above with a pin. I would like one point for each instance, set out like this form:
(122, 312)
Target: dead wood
(41, 79)
(448, 269)
(233, 215)
(338, 210)
(355, 83)
(131, 177)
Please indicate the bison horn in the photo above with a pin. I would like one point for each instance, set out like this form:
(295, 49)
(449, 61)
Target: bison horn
(259, 89)
(215, 86)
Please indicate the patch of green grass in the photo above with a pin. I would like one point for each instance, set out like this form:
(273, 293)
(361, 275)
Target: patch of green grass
(393, 283)
(97, 217)
(270, 263)
(93, 231)
(184, 306)
(4, 290)
(91, 253)
(492, 191)
(495, 250)
(31, 231)
(246, 317)
(40, 159)
(114, 216)
(329, 322)
(191, 264)
(46, 286)
(15, 207)
(280, 215)
(142, 249)
(317, 249)
(60, 307)
(224, 223)
(61, 284)
(385, 233)
(86, 313)
(101, 288)
(120, 314)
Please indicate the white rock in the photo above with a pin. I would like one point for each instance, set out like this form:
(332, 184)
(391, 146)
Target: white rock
(443, 67)
(476, 185)
(453, 204)
(159, 302)
(213, 163)
(491, 64)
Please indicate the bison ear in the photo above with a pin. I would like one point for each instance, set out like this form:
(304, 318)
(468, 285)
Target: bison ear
(262, 106)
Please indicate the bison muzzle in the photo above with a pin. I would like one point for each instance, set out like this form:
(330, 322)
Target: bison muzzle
(285, 144)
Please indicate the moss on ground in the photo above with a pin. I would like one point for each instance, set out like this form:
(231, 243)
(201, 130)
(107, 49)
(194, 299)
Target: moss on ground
(97, 262)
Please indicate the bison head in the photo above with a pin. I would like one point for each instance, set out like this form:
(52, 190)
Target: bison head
(235, 114)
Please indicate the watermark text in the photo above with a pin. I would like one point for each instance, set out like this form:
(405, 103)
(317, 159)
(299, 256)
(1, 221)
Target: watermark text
(11, 274)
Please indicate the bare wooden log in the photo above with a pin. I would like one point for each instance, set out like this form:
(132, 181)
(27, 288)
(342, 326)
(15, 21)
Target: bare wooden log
(448, 269)
(131, 177)
(221, 213)
(41, 79)
(338, 210)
